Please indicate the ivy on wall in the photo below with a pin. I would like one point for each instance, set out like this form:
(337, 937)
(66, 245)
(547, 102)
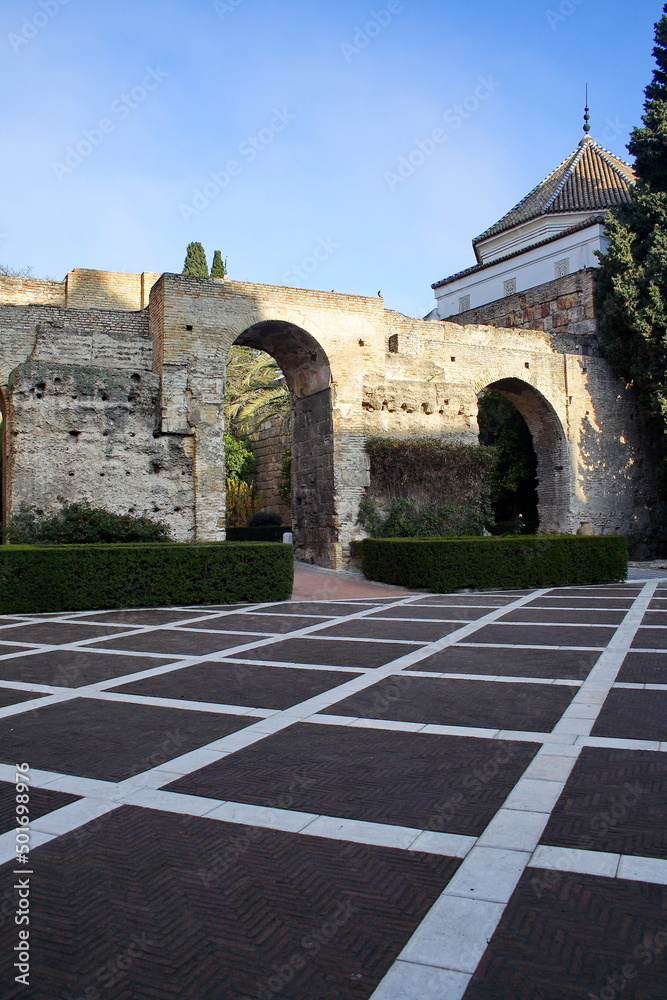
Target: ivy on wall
(426, 487)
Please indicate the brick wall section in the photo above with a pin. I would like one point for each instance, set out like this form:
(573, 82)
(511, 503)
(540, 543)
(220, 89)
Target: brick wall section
(108, 289)
(27, 291)
(269, 445)
(563, 306)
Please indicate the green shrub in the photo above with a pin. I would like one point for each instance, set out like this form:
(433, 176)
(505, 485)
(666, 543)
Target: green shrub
(264, 519)
(240, 460)
(80, 524)
(37, 579)
(445, 564)
(407, 519)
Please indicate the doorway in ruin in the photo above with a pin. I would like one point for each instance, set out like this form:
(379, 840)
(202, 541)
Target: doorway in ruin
(307, 375)
(533, 483)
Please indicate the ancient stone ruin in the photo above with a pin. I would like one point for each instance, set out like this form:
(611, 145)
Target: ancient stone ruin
(112, 385)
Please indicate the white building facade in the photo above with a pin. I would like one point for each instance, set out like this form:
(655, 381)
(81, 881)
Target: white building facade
(554, 231)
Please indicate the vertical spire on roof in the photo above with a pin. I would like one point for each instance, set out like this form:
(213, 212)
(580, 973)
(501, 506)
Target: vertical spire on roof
(587, 117)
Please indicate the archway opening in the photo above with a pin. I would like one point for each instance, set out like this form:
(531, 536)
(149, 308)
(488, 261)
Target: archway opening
(307, 376)
(514, 489)
(533, 484)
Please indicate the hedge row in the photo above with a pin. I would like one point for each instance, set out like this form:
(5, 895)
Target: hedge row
(91, 577)
(445, 564)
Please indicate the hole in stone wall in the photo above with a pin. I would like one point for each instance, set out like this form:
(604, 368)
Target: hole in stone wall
(514, 486)
(393, 344)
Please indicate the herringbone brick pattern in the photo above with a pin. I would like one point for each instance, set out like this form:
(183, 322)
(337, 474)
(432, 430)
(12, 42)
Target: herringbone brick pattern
(571, 937)
(613, 801)
(307, 918)
(374, 775)
(533, 707)
(107, 739)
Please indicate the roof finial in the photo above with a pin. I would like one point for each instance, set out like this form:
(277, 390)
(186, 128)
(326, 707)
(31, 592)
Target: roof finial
(587, 117)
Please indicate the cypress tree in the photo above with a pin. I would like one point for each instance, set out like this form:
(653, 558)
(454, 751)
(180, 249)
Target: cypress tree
(219, 266)
(632, 278)
(195, 261)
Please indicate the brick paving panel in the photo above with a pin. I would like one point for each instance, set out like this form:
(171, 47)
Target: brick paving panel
(655, 618)
(42, 801)
(9, 697)
(9, 621)
(543, 635)
(439, 701)
(569, 937)
(73, 667)
(559, 664)
(611, 591)
(465, 600)
(581, 602)
(633, 715)
(6, 650)
(440, 613)
(330, 652)
(659, 603)
(260, 623)
(261, 913)
(239, 684)
(179, 643)
(448, 783)
(56, 633)
(110, 740)
(650, 638)
(415, 631)
(316, 608)
(147, 616)
(570, 617)
(195, 609)
(614, 801)
(644, 668)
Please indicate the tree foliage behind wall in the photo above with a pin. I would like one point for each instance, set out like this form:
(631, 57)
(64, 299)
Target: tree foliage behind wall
(513, 484)
(423, 486)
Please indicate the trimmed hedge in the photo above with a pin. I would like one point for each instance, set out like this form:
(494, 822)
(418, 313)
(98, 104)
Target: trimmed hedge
(268, 533)
(35, 578)
(445, 564)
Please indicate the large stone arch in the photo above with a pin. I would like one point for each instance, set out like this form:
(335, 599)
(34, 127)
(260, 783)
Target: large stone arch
(554, 473)
(308, 375)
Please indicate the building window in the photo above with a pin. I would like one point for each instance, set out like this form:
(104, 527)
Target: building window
(509, 286)
(562, 267)
(393, 344)
(464, 303)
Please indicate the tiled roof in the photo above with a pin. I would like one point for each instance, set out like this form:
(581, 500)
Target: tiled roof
(592, 220)
(589, 180)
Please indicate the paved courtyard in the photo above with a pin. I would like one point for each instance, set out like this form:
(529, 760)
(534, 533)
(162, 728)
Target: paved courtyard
(397, 796)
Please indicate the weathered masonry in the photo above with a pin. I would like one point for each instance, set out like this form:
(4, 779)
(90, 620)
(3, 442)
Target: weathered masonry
(112, 389)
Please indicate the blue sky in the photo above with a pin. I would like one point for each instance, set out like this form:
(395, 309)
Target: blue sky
(354, 146)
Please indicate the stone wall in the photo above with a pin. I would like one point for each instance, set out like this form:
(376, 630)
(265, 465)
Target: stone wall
(127, 407)
(269, 445)
(563, 307)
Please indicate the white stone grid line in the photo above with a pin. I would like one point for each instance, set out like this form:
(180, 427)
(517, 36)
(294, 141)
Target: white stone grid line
(454, 934)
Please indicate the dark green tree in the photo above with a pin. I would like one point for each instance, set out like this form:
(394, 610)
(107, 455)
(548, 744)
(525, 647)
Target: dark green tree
(195, 261)
(632, 278)
(219, 266)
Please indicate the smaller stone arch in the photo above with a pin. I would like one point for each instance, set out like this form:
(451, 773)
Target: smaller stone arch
(554, 476)
(308, 376)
